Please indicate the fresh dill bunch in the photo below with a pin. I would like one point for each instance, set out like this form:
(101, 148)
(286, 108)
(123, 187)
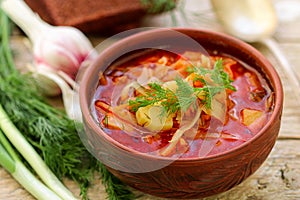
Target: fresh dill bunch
(158, 6)
(53, 135)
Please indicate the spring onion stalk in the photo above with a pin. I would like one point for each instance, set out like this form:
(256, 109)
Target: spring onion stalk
(11, 162)
(31, 156)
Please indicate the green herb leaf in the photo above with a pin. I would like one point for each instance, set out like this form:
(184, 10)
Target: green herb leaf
(114, 187)
(185, 94)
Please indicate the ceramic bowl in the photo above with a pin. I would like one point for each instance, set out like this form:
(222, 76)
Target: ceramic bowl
(180, 178)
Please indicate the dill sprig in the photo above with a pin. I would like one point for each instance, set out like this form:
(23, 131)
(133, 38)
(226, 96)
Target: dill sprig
(171, 101)
(114, 187)
(186, 95)
(53, 135)
(156, 93)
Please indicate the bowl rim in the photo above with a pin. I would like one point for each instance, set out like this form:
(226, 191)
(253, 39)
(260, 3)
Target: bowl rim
(274, 79)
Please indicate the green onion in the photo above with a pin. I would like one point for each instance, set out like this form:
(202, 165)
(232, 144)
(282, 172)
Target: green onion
(10, 161)
(36, 162)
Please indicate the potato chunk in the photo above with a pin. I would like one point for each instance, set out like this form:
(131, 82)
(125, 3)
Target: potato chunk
(249, 116)
(153, 118)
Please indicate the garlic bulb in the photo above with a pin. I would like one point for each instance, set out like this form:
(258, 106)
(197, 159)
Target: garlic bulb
(61, 48)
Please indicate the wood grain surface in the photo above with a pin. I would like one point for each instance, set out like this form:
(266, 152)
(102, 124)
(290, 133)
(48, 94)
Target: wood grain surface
(279, 176)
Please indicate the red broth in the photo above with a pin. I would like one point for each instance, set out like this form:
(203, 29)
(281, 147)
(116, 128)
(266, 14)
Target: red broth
(248, 107)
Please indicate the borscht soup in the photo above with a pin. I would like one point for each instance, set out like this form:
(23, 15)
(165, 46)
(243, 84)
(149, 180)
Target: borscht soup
(187, 105)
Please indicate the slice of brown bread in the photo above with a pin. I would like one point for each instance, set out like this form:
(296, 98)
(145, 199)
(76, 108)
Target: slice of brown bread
(91, 16)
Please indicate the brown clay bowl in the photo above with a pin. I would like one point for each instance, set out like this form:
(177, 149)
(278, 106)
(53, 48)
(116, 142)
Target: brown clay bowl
(182, 177)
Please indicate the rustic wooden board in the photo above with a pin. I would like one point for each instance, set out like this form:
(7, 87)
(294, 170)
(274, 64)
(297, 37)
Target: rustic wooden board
(277, 178)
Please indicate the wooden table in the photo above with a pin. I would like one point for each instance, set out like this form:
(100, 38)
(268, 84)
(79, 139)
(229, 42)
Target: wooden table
(279, 176)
